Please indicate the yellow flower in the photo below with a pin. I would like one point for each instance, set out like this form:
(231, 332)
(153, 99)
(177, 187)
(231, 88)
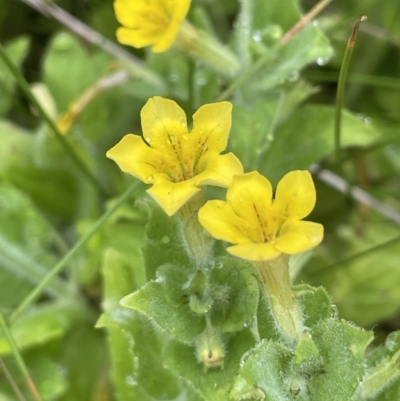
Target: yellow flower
(150, 22)
(263, 227)
(178, 162)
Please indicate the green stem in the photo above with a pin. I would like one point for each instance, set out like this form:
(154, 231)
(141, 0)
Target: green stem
(64, 142)
(342, 83)
(71, 253)
(18, 357)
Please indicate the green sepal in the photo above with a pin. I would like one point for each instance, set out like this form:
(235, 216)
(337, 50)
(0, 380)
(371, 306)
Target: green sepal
(235, 294)
(165, 302)
(213, 384)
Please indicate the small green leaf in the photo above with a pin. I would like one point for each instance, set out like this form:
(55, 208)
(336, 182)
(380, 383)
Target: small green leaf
(316, 303)
(163, 243)
(264, 374)
(381, 380)
(342, 347)
(166, 303)
(234, 292)
(213, 384)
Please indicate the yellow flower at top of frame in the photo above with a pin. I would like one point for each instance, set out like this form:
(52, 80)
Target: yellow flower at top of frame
(262, 227)
(150, 22)
(178, 162)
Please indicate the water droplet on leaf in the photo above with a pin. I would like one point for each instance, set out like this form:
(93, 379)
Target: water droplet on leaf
(130, 381)
(257, 36)
(322, 60)
(165, 239)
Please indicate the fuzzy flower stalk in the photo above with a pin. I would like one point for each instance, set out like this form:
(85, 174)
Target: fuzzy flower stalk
(179, 162)
(265, 230)
(162, 24)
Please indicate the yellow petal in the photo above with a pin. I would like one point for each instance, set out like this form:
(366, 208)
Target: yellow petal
(218, 218)
(135, 38)
(211, 125)
(254, 251)
(295, 194)
(298, 236)
(178, 11)
(140, 14)
(218, 170)
(167, 38)
(171, 196)
(133, 156)
(180, 8)
(163, 123)
(250, 196)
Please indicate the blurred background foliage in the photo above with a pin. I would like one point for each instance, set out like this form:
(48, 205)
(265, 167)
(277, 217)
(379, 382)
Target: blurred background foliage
(282, 120)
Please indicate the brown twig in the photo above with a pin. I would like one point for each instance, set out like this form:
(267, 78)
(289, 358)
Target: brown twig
(358, 194)
(304, 21)
(11, 380)
(82, 30)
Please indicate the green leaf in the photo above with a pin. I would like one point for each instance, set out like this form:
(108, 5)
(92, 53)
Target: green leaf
(47, 176)
(342, 348)
(49, 376)
(174, 66)
(82, 353)
(136, 349)
(165, 302)
(264, 374)
(270, 371)
(354, 282)
(234, 294)
(66, 56)
(315, 302)
(381, 380)
(16, 262)
(252, 131)
(163, 242)
(260, 26)
(214, 384)
(307, 137)
(42, 324)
